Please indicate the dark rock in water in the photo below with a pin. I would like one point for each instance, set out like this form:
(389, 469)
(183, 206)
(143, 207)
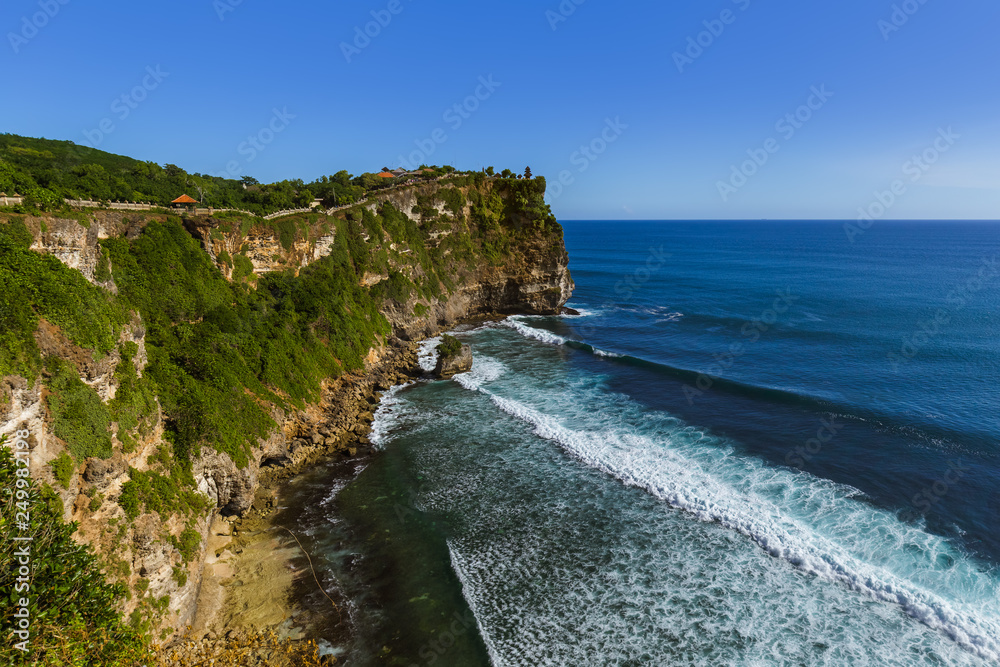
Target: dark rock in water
(568, 311)
(451, 365)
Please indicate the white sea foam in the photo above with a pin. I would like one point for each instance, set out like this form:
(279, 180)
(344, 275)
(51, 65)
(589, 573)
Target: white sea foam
(388, 414)
(670, 317)
(427, 354)
(484, 370)
(666, 313)
(519, 326)
(563, 565)
(817, 526)
(459, 567)
(552, 339)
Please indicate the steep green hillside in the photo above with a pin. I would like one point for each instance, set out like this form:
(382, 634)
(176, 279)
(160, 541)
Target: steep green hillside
(46, 171)
(156, 374)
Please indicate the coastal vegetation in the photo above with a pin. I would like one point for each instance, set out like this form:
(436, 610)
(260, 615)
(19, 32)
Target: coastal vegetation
(220, 351)
(449, 346)
(39, 286)
(46, 172)
(205, 352)
(74, 614)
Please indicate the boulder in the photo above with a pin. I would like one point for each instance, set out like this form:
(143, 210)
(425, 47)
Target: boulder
(101, 472)
(449, 366)
(230, 487)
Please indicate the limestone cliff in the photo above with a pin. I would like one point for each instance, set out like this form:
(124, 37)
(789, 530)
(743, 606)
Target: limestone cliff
(440, 253)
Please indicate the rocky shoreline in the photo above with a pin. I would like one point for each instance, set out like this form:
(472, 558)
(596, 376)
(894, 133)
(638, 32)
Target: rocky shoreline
(258, 552)
(252, 548)
(173, 589)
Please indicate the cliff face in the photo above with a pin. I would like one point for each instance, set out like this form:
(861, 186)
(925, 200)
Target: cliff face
(441, 252)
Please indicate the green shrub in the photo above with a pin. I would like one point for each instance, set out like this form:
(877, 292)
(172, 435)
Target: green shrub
(63, 468)
(74, 611)
(16, 233)
(454, 200)
(149, 491)
(102, 273)
(129, 444)
(40, 286)
(188, 544)
(43, 198)
(79, 418)
(242, 267)
(398, 288)
(449, 346)
(287, 232)
(134, 403)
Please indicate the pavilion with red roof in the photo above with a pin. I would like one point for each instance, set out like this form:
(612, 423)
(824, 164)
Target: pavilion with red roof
(184, 201)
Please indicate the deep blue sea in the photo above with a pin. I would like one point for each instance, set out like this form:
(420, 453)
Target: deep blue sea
(760, 443)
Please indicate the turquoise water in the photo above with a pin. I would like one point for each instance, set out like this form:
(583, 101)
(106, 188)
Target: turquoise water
(719, 462)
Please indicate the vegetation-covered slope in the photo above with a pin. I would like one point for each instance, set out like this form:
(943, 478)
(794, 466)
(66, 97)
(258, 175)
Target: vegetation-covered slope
(195, 340)
(47, 171)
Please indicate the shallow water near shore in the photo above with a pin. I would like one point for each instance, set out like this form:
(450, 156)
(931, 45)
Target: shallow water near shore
(383, 561)
(614, 489)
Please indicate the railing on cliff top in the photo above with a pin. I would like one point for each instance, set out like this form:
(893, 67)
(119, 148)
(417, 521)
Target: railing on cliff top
(145, 206)
(17, 200)
(117, 205)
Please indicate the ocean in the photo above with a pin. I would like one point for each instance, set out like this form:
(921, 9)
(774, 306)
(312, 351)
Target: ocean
(759, 443)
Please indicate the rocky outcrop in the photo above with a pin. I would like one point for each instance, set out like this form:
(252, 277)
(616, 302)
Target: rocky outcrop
(101, 472)
(260, 244)
(230, 488)
(74, 241)
(450, 365)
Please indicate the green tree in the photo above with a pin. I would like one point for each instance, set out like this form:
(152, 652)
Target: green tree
(74, 611)
(43, 198)
(13, 181)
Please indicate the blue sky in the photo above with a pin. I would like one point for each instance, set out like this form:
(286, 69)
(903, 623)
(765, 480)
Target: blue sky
(663, 132)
